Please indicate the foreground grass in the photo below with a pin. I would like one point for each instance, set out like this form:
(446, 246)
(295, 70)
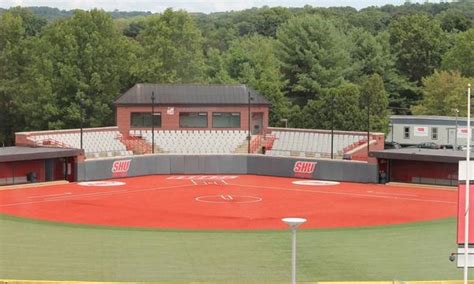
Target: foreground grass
(40, 250)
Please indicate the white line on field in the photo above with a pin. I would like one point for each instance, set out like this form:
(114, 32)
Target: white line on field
(79, 196)
(83, 195)
(349, 194)
(390, 193)
(50, 195)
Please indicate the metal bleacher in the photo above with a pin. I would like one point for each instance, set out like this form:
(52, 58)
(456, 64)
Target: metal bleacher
(311, 144)
(96, 144)
(195, 141)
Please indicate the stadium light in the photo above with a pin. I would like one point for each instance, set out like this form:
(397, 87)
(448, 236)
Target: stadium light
(153, 122)
(81, 105)
(332, 126)
(468, 185)
(293, 223)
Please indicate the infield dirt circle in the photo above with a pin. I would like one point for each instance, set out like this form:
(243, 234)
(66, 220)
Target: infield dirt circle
(227, 202)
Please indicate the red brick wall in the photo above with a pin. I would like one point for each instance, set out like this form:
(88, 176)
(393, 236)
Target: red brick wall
(360, 154)
(171, 122)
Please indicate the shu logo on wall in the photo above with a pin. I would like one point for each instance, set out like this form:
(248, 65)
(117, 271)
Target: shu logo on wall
(120, 168)
(304, 169)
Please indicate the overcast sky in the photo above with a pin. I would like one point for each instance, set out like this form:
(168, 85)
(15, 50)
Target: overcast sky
(206, 6)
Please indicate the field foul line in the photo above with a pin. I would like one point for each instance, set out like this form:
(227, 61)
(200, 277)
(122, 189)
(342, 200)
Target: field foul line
(394, 194)
(88, 195)
(351, 194)
(50, 195)
(83, 195)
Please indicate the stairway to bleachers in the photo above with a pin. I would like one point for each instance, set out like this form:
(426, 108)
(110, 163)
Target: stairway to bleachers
(96, 144)
(194, 141)
(312, 144)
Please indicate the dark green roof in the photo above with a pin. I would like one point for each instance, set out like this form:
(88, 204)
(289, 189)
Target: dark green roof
(173, 94)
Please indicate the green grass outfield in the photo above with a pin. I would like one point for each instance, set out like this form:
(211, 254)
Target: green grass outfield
(51, 251)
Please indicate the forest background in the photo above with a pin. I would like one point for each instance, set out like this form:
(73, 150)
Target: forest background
(311, 63)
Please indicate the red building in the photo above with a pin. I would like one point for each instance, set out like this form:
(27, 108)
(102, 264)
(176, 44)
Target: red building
(192, 107)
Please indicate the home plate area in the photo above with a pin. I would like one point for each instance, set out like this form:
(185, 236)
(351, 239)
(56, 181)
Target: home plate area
(220, 202)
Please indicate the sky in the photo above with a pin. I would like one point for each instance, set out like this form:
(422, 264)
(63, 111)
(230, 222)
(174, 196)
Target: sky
(205, 6)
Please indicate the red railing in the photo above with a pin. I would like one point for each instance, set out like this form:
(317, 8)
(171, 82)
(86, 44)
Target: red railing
(136, 144)
(255, 143)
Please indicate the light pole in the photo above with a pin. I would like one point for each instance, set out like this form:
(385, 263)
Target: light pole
(468, 180)
(368, 125)
(456, 130)
(81, 104)
(332, 126)
(249, 117)
(153, 122)
(293, 223)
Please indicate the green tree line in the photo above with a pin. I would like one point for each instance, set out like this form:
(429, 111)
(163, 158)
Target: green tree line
(317, 66)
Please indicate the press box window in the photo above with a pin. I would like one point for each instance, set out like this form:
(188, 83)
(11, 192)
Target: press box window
(143, 119)
(226, 120)
(193, 119)
(406, 132)
(434, 133)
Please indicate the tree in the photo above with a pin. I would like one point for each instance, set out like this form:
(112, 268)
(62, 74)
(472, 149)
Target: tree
(251, 60)
(401, 92)
(269, 19)
(83, 57)
(32, 24)
(443, 92)
(314, 55)
(17, 30)
(341, 104)
(419, 44)
(12, 33)
(370, 19)
(461, 56)
(172, 49)
(373, 94)
(369, 54)
(454, 21)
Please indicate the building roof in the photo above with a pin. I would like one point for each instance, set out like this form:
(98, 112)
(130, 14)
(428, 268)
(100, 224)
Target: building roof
(17, 153)
(419, 154)
(429, 120)
(174, 94)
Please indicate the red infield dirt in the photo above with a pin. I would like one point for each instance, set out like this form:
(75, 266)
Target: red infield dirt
(227, 202)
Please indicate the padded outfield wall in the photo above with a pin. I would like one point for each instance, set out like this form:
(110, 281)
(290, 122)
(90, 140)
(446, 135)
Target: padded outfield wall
(337, 170)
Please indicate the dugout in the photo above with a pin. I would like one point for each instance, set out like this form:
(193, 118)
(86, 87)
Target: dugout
(37, 164)
(416, 165)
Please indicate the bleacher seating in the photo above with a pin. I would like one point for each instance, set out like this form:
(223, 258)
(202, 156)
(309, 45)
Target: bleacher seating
(195, 141)
(96, 144)
(311, 144)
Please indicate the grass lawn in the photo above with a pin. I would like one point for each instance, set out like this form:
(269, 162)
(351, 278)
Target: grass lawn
(50, 251)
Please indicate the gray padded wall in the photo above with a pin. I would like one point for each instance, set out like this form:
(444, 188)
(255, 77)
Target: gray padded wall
(338, 170)
(228, 164)
(165, 164)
